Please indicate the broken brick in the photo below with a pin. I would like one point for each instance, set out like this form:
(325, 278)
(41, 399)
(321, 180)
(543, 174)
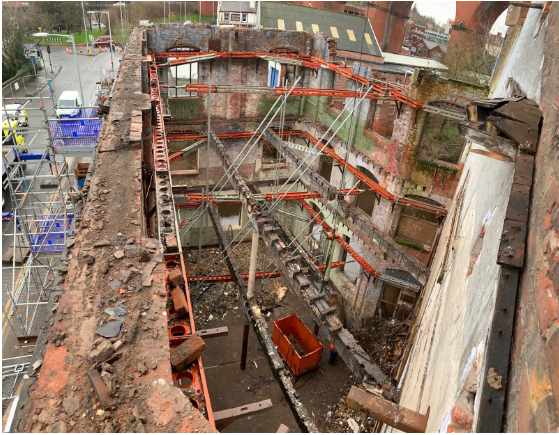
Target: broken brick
(171, 243)
(175, 277)
(187, 352)
(179, 301)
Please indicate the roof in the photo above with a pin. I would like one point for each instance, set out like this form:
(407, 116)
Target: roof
(430, 44)
(351, 32)
(237, 7)
(413, 61)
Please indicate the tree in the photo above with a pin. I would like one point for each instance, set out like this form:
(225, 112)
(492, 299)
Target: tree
(468, 59)
(14, 26)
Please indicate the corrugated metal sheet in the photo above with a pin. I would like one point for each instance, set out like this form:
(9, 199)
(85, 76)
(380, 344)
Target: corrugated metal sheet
(323, 19)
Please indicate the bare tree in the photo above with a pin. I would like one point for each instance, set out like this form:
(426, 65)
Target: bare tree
(468, 58)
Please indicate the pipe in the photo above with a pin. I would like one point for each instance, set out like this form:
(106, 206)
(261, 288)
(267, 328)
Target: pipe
(252, 266)
(387, 412)
(244, 349)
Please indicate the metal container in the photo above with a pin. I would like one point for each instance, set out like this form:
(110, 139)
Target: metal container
(292, 337)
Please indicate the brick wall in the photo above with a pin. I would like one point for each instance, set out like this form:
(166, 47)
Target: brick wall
(533, 391)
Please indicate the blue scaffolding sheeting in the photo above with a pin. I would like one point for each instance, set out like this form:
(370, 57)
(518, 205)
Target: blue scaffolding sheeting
(52, 241)
(85, 128)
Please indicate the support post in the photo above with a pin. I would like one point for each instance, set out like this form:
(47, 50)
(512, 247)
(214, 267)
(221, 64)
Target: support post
(244, 349)
(253, 262)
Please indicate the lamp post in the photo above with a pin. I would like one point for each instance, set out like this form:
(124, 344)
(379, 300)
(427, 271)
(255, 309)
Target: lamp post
(110, 36)
(121, 25)
(85, 28)
(44, 35)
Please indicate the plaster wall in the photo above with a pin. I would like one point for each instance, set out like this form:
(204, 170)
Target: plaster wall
(457, 308)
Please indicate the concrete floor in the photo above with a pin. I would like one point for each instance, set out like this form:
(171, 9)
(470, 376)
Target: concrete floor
(231, 387)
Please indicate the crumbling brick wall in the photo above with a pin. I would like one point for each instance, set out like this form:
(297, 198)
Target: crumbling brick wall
(533, 391)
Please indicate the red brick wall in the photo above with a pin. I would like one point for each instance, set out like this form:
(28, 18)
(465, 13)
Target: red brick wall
(533, 391)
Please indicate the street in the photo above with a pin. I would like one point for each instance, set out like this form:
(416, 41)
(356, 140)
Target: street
(92, 69)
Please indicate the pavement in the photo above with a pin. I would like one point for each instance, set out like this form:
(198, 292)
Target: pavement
(91, 70)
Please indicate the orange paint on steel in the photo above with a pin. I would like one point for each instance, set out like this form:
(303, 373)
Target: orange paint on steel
(259, 275)
(292, 326)
(341, 241)
(388, 90)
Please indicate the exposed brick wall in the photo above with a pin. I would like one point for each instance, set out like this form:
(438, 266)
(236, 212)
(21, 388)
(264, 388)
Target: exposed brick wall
(533, 391)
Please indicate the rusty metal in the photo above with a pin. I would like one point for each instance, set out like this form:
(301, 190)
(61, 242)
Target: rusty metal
(100, 388)
(387, 412)
(226, 417)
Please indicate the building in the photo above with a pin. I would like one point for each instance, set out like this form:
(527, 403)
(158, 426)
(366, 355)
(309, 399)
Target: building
(380, 209)
(241, 13)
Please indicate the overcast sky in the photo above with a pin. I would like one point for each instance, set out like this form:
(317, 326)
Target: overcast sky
(443, 10)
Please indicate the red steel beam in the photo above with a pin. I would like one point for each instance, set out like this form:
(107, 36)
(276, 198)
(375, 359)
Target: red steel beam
(388, 90)
(259, 275)
(196, 199)
(178, 135)
(338, 239)
(372, 185)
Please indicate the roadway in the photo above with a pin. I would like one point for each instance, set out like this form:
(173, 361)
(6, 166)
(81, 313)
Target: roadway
(92, 69)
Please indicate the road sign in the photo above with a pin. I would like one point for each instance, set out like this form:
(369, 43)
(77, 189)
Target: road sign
(32, 61)
(91, 38)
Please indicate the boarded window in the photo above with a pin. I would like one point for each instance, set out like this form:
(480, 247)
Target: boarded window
(315, 28)
(417, 226)
(352, 270)
(299, 26)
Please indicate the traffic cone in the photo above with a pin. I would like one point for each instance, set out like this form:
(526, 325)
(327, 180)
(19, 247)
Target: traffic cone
(105, 49)
(67, 50)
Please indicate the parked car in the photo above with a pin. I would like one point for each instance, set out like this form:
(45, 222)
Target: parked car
(15, 111)
(69, 104)
(146, 23)
(102, 41)
(10, 136)
(97, 26)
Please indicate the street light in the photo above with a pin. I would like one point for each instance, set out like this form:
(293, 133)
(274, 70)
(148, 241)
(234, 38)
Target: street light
(44, 35)
(110, 36)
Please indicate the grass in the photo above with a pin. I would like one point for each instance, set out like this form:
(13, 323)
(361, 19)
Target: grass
(80, 39)
(191, 17)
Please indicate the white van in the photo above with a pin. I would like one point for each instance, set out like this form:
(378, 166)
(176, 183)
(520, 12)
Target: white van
(97, 26)
(146, 23)
(69, 104)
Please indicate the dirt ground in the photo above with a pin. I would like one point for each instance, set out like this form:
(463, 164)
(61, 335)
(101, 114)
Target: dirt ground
(230, 387)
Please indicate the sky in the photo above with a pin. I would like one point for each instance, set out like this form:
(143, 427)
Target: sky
(443, 10)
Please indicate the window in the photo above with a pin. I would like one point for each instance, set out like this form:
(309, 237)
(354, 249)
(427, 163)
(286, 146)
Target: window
(245, 18)
(226, 16)
(392, 108)
(235, 17)
(229, 215)
(424, 52)
(270, 154)
(441, 139)
(378, 108)
(398, 81)
(417, 226)
(366, 200)
(274, 71)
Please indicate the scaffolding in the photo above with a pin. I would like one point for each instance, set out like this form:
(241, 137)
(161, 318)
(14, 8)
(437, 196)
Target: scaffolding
(43, 194)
